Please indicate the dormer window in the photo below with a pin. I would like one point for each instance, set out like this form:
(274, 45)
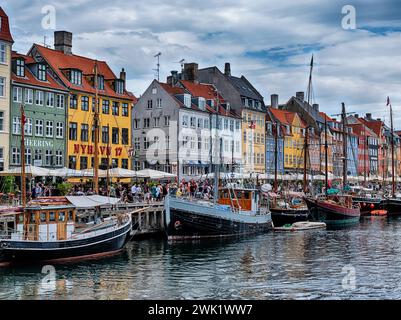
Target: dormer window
(119, 86)
(42, 72)
(100, 82)
(201, 103)
(76, 77)
(187, 100)
(20, 68)
(210, 102)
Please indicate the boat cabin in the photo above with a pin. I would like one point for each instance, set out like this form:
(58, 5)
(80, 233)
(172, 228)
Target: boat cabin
(45, 223)
(239, 199)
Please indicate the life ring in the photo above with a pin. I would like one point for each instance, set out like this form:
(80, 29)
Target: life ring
(177, 225)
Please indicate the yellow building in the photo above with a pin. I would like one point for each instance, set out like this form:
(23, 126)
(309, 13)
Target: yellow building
(77, 73)
(6, 42)
(253, 141)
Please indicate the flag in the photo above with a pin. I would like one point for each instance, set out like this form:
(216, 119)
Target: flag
(23, 118)
(252, 125)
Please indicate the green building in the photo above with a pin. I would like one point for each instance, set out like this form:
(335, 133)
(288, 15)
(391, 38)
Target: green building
(44, 101)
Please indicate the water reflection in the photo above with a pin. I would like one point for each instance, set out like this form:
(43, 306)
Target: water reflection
(304, 265)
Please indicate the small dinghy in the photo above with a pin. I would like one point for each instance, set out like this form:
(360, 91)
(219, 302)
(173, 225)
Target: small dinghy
(301, 226)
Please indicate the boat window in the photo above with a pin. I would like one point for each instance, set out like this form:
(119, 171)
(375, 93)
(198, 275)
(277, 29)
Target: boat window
(32, 218)
(61, 216)
(52, 216)
(43, 217)
(239, 195)
(21, 218)
(71, 215)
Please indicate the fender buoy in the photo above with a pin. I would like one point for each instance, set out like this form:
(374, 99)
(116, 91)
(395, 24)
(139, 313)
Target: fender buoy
(177, 224)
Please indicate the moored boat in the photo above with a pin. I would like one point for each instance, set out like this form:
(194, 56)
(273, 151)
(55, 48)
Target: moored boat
(47, 231)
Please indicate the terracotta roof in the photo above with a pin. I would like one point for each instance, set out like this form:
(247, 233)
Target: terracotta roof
(5, 33)
(325, 116)
(30, 79)
(375, 125)
(28, 59)
(206, 91)
(60, 61)
(172, 90)
(285, 117)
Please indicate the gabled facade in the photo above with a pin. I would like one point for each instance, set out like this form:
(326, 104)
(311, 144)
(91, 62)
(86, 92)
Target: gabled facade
(275, 134)
(246, 101)
(115, 103)
(45, 105)
(6, 43)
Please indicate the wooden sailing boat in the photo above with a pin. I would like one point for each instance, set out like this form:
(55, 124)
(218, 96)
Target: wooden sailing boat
(392, 203)
(334, 210)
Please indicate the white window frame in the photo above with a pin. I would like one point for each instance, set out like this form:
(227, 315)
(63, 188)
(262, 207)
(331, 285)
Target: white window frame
(1, 121)
(3, 52)
(2, 86)
(28, 126)
(16, 125)
(60, 101)
(39, 125)
(49, 125)
(28, 96)
(50, 99)
(60, 130)
(17, 94)
(39, 97)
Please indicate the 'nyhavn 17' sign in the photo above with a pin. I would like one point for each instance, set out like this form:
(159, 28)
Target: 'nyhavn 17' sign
(88, 149)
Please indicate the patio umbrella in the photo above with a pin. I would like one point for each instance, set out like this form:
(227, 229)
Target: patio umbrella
(29, 171)
(154, 174)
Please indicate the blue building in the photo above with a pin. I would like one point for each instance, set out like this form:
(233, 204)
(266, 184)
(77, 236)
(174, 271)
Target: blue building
(352, 152)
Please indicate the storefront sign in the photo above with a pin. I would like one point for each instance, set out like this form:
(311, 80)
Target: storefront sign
(38, 143)
(90, 149)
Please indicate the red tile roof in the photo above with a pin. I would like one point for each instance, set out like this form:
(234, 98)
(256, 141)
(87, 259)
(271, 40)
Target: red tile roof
(28, 59)
(285, 117)
(325, 116)
(5, 33)
(375, 125)
(60, 61)
(30, 79)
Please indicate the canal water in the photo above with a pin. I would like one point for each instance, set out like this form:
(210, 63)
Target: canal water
(362, 262)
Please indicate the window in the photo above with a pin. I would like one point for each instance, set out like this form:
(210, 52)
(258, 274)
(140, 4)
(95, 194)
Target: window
(42, 72)
(3, 52)
(50, 99)
(20, 67)
(100, 82)
(2, 86)
(28, 156)
(38, 156)
(115, 136)
(206, 123)
(159, 103)
(237, 146)
(137, 123)
(124, 136)
(125, 109)
(200, 143)
(231, 125)
(105, 134)
(15, 155)
(17, 94)
(39, 98)
(28, 126)
(145, 143)
(16, 125)
(166, 120)
(73, 101)
(72, 162)
(137, 143)
(76, 77)
(225, 124)
(73, 131)
(1, 121)
(49, 128)
(124, 163)
(200, 123)
(106, 107)
(150, 104)
(28, 96)
(39, 127)
(49, 157)
(185, 121)
(116, 108)
(114, 163)
(119, 86)
(83, 163)
(156, 122)
(85, 103)
(146, 123)
(187, 100)
(60, 101)
(1, 159)
(59, 130)
(84, 132)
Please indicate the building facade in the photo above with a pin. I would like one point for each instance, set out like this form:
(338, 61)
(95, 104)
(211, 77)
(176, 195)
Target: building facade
(45, 104)
(115, 103)
(6, 42)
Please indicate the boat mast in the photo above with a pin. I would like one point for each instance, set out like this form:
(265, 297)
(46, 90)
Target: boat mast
(345, 137)
(365, 157)
(23, 176)
(218, 153)
(392, 149)
(96, 140)
(326, 147)
(275, 156)
(108, 183)
(306, 154)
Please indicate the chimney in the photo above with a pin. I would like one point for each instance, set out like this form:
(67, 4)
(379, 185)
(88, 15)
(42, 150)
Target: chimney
(315, 106)
(274, 101)
(300, 95)
(191, 72)
(368, 116)
(63, 41)
(174, 77)
(123, 76)
(227, 69)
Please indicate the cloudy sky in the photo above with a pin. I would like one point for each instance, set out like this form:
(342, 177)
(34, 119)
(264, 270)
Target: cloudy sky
(268, 41)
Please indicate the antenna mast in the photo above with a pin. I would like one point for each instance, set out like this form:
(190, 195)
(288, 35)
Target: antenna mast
(158, 65)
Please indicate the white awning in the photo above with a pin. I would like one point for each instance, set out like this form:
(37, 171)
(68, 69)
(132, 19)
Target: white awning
(91, 201)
